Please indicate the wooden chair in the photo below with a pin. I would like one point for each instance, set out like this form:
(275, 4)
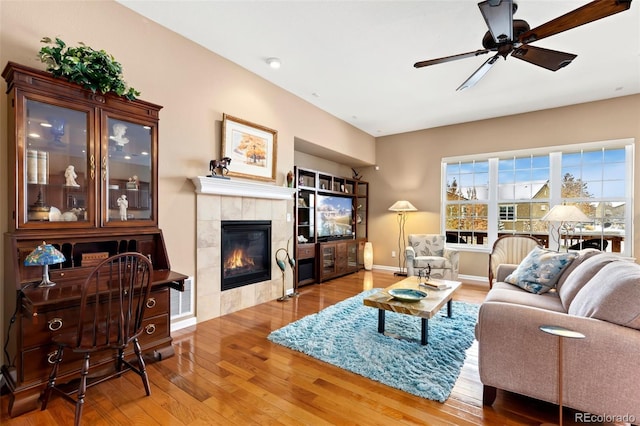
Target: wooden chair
(120, 287)
(510, 249)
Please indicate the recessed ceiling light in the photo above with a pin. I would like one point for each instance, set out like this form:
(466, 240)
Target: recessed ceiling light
(274, 63)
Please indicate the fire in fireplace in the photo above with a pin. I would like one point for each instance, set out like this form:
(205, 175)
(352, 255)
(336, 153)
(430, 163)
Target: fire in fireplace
(246, 252)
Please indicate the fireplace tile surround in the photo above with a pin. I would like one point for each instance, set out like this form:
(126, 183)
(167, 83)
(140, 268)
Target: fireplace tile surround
(232, 199)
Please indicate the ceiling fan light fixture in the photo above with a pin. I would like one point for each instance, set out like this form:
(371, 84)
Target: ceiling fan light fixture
(274, 63)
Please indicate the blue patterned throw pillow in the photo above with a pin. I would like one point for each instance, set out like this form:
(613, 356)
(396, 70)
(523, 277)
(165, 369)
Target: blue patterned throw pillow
(540, 270)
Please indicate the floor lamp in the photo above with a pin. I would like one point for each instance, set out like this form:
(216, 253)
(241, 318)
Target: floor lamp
(402, 207)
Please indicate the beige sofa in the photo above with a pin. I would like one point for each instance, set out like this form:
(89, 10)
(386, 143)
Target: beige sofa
(598, 295)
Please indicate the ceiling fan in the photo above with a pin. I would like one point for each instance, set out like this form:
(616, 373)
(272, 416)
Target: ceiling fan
(511, 36)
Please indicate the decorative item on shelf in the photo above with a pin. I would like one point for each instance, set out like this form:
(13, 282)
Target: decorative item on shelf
(32, 166)
(302, 239)
(290, 179)
(44, 255)
(43, 167)
(301, 181)
(133, 183)
(123, 205)
(118, 136)
(95, 70)
(565, 216)
(221, 165)
(402, 207)
(368, 256)
(70, 176)
(283, 266)
(57, 130)
(37, 210)
(356, 175)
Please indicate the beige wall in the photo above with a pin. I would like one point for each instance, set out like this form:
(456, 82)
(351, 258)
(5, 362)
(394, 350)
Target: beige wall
(410, 163)
(195, 87)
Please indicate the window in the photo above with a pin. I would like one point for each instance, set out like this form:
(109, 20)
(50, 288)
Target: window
(501, 193)
(507, 212)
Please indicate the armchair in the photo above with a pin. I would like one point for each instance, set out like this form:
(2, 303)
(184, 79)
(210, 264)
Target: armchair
(510, 249)
(429, 249)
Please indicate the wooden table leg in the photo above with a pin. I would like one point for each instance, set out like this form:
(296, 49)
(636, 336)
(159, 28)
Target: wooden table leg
(449, 306)
(424, 332)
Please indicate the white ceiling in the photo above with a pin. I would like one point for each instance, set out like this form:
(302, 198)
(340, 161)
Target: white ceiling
(354, 59)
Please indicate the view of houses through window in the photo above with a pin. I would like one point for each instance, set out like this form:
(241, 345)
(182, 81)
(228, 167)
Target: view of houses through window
(490, 195)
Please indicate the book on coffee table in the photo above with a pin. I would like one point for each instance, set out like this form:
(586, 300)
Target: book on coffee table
(435, 285)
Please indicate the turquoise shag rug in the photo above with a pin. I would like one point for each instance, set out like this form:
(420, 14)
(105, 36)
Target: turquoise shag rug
(346, 335)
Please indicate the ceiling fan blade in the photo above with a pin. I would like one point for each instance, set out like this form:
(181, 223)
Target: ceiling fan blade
(590, 12)
(550, 59)
(498, 14)
(450, 58)
(479, 73)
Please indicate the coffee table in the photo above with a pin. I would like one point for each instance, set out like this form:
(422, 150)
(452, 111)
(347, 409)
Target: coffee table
(425, 308)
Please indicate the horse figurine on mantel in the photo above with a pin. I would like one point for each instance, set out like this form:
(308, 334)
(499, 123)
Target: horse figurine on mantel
(221, 165)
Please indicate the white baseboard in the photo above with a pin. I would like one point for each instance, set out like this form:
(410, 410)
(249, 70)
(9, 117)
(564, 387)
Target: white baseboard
(178, 325)
(467, 279)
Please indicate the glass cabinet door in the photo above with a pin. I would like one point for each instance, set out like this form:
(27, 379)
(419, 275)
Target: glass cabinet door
(128, 172)
(56, 169)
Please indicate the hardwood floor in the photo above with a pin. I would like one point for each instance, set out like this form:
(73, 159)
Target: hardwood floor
(226, 372)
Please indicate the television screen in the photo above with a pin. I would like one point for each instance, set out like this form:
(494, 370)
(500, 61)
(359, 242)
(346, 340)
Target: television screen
(334, 216)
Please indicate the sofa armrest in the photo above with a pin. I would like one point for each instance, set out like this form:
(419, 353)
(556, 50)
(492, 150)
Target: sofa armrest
(410, 253)
(503, 271)
(454, 257)
(599, 376)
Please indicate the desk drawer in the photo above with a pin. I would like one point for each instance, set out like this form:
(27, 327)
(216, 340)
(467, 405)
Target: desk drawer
(37, 363)
(306, 251)
(38, 330)
(154, 330)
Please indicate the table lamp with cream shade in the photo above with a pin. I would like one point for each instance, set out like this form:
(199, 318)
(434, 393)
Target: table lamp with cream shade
(564, 215)
(44, 255)
(402, 207)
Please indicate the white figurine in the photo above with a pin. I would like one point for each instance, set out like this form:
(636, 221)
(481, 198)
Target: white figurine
(70, 176)
(119, 130)
(123, 204)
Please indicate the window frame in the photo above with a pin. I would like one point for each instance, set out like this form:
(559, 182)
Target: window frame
(555, 157)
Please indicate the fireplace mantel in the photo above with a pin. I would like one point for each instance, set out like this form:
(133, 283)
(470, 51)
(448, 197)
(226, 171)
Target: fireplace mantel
(239, 188)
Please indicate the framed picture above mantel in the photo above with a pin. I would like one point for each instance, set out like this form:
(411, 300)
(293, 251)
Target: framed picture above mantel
(251, 147)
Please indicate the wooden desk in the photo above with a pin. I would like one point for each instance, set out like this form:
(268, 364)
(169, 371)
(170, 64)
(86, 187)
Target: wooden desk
(43, 312)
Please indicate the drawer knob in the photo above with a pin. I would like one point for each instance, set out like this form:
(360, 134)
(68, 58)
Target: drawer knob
(55, 324)
(151, 302)
(51, 357)
(150, 329)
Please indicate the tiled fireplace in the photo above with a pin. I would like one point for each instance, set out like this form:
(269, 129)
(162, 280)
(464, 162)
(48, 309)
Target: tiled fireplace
(222, 201)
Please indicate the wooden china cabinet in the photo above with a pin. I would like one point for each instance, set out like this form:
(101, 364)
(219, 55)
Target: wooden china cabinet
(84, 178)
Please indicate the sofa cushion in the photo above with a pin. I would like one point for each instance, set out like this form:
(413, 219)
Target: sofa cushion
(507, 293)
(540, 270)
(435, 262)
(612, 295)
(581, 275)
(582, 256)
